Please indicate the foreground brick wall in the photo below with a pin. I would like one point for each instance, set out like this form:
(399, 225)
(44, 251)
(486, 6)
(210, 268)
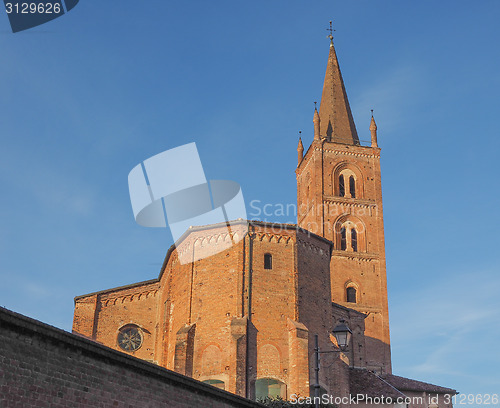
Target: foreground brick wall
(42, 366)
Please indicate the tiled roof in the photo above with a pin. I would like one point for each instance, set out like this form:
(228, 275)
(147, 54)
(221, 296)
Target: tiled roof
(405, 384)
(365, 382)
(368, 383)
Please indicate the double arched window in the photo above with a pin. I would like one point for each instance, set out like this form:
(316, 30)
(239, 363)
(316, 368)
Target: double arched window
(348, 238)
(349, 234)
(347, 183)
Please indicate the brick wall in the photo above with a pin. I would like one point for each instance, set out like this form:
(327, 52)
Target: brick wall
(227, 317)
(41, 366)
(133, 304)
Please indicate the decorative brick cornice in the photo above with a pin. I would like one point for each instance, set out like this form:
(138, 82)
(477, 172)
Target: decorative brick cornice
(204, 238)
(111, 298)
(128, 290)
(361, 256)
(277, 238)
(353, 202)
(375, 154)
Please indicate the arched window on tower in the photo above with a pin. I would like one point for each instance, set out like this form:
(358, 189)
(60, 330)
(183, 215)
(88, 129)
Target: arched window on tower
(352, 186)
(354, 240)
(343, 239)
(268, 261)
(351, 294)
(341, 186)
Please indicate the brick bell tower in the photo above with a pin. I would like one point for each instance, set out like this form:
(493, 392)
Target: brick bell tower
(339, 197)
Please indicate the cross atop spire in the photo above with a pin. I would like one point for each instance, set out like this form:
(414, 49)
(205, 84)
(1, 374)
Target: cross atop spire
(331, 33)
(336, 121)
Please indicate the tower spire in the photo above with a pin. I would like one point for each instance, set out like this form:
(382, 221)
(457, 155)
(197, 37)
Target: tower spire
(300, 150)
(337, 124)
(316, 123)
(373, 131)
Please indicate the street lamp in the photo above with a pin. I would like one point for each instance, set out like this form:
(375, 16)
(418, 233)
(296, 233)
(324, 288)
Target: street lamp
(342, 334)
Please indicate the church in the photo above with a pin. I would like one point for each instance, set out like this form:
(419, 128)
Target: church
(246, 319)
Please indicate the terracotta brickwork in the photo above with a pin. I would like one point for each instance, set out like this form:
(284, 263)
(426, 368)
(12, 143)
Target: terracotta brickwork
(228, 317)
(246, 315)
(338, 191)
(100, 316)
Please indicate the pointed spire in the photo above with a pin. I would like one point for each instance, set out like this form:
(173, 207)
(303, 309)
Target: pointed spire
(337, 124)
(316, 123)
(373, 131)
(300, 150)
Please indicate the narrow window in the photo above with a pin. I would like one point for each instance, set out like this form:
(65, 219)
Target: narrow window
(341, 186)
(352, 187)
(268, 261)
(343, 240)
(354, 240)
(351, 295)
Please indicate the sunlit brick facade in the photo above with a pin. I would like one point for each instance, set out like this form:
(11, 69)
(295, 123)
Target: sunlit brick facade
(244, 319)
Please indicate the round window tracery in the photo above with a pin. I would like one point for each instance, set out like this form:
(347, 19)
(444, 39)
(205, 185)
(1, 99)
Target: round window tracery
(130, 338)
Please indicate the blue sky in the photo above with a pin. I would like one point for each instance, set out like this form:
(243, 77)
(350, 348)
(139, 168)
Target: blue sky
(86, 97)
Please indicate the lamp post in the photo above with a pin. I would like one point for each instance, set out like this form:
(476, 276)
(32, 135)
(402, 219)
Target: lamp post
(342, 334)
